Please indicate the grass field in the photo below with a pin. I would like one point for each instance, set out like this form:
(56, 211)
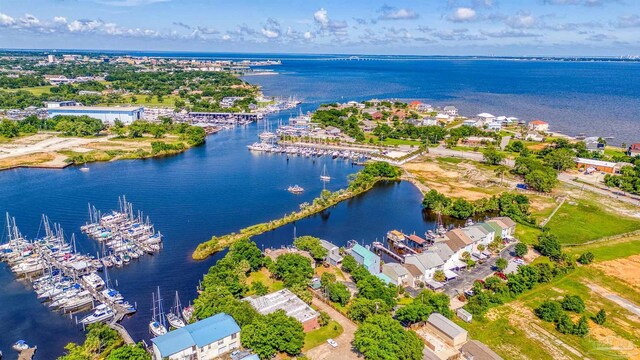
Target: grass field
(265, 276)
(609, 250)
(319, 336)
(579, 221)
(37, 90)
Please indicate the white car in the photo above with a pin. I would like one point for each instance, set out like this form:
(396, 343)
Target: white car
(332, 342)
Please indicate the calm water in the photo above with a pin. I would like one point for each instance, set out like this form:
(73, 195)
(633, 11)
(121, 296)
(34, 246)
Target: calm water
(221, 187)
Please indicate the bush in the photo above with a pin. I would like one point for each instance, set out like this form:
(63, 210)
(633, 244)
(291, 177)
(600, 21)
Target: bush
(564, 324)
(600, 317)
(586, 258)
(573, 303)
(521, 249)
(548, 245)
(549, 311)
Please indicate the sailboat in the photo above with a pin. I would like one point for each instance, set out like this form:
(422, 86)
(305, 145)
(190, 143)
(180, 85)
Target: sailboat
(156, 325)
(174, 316)
(325, 175)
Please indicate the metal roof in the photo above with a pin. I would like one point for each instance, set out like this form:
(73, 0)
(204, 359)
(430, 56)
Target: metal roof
(200, 334)
(445, 325)
(367, 255)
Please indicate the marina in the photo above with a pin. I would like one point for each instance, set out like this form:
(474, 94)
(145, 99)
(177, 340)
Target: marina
(126, 234)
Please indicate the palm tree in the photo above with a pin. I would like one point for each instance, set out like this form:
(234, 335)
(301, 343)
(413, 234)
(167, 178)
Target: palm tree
(500, 171)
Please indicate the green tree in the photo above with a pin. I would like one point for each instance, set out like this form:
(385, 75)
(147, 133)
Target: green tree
(312, 245)
(549, 311)
(581, 328)
(521, 249)
(381, 337)
(560, 159)
(414, 312)
(586, 258)
(293, 269)
(349, 263)
(501, 264)
(259, 288)
(361, 309)
(548, 245)
(439, 276)
(246, 249)
(542, 180)
(272, 333)
(573, 303)
(129, 352)
(9, 129)
(500, 172)
(564, 324)
(338, 292)
(491, 156)
(600, 317)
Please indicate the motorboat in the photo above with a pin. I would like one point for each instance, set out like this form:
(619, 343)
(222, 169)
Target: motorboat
(296, 189)
(20, 346)
(101, 313)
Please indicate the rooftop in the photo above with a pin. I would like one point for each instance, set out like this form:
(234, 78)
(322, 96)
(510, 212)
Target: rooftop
(539, 122)
(200, 334)
(283, 300)
(445, 325)
(97, 108)
(476, 350)
(367, 255)
(595, 162)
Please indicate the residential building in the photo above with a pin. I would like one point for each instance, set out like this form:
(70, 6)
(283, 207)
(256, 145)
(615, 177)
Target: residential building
(539, 125)
(534, 136)
(444, 252)
(591, 165)
(415, 277)
(288, 302)
(443, 118)
(398, 274)
(504, 226)
(494, 126)
(376, 115)
(203, 340)
(333, 253)
(475, 350)
(428, 262)
(486, 117)
(429, 121)
(416, 242)
(477, 140)
(366, 257)
(450, 110)
(57, 104)
(108, 115)
(592, 144)
(385, 278)
(447, 330)
(634, 149)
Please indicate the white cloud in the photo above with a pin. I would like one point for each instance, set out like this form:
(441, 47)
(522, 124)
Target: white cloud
(522, 20)
(6, 20)
(462, 14)
(226, 37)
(129, 3)
(59, 19)
(321, 17)
(391, 13)
(271, 34)
(308, 35)
(627, 21)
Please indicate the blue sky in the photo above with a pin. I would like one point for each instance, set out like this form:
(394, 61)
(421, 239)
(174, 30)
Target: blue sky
(431, 27)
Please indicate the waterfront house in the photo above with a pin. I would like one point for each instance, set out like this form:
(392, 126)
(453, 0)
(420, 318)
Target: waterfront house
(203, 340)
(443, 118)
(591, 165)
(592, 144)
(485, 117)
(446, 254)
(429, 121)
(504, 226)
(416, 242)
(415, 104)
(415, 277)
(634, 149)
(534, 136)
(398, 274)
(472, 123)
(366, 258)
(288, 302)
(447, 330)
(539, 125)
(480, 233)
(494, 126)
(333, 253)
(450, 110)
(428, 262)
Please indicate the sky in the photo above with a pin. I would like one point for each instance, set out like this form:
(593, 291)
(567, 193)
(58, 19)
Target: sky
(418, 27)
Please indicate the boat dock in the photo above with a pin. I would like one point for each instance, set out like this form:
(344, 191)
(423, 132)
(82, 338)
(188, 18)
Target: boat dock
(27, 354)
(378, 246)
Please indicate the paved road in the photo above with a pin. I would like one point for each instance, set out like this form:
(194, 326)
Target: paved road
(465, 278)
(564, 177)
(344, 350)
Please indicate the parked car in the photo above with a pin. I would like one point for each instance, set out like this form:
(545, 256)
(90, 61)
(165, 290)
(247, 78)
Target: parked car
(501, 275)
(332, 342)
(469, 293)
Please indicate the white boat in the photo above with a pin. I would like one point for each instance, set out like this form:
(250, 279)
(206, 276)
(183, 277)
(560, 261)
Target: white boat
(173, 317)
(156, 325)
(94, 281)
(296, 189)
(187, 313)
(84, 168)
(101, 313)
(325, 175)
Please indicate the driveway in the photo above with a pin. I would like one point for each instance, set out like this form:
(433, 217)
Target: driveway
(344, 349)
(465, 278)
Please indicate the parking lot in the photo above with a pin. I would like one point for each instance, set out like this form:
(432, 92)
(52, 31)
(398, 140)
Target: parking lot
(465, 278)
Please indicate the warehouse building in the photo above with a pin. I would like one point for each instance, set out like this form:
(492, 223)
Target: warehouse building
(107, 115)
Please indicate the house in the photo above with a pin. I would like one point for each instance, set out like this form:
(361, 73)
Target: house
(376, 115)
(472, 123)
(634, 149)
(494, 126)
(480, 233)
(288, 302)
(203, 340)
(397, 273)
(477, 140)
(450, 110)
(538, 125)
(429, 121)
(386, 279)
(415, 277)
(446, 254)
(415, 104)
(503, 226)
(333, 131)
(333, 253)
(475, 350)
(366, 258)
(428, 262)
(447, 330)
(486, 117)
(590, 165)
(592, 144)
(416, 242)
(534, 136)
(424, 107)
(443, 118)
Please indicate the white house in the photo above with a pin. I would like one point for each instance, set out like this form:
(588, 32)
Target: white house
(443, 117)
(202, 340)
(428, 262)
(486, 117)
(450, 110)
(539, 125)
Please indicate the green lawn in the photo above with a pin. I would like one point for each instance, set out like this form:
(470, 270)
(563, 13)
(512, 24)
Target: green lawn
(583, 220)
(527, 234)
(393, 142)
(36, 90)
(604, 251)
(317, 337)
(264, 276)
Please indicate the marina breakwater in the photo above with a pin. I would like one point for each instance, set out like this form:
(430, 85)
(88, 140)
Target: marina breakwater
(362, 182)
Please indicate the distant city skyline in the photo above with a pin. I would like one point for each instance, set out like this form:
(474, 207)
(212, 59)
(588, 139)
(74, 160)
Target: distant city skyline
(447, 27)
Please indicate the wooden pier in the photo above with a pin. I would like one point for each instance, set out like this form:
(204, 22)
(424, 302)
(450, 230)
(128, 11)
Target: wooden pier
(381, 248)
(27, 354)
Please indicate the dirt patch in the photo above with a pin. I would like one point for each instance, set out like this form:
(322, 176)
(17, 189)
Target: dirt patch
(26, 160)
(461, 180)
(627, 269)
(614, 342)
